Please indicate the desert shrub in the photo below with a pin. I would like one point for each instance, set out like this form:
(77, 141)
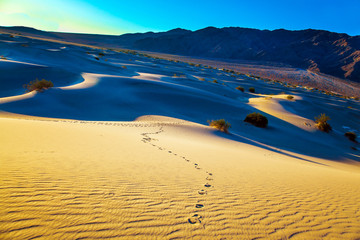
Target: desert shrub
(290, 97)
(124, 67)
(351, 136)
(322, 124)
(215, 81)
(252, 89)
(97, 58)
(101, 54)
(202, 79)
(257, 119)
(2, 57)
(38, 85)
(220, 124)
(240, 88)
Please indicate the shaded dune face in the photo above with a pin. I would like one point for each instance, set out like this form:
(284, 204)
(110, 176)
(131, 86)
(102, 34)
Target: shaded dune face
(17, 74)
(119, 98)
(119, 148)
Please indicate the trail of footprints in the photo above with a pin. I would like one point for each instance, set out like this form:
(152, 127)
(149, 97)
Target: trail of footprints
(196, 218)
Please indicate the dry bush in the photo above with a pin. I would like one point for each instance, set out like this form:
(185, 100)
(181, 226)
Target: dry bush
(257, 119)
(290, 97)
(252, 89)
(240, 88)
(351, 136)
(220, 124)
(322, 124)
(38, 85)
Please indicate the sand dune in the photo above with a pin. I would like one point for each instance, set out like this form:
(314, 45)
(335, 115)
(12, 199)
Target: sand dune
(120, 149)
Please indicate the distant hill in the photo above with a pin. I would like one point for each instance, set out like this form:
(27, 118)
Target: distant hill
(332, 53)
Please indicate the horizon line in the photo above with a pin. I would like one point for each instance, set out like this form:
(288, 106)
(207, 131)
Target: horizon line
(109, 34)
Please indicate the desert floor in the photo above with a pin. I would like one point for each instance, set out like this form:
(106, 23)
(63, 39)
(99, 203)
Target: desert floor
(121, 148)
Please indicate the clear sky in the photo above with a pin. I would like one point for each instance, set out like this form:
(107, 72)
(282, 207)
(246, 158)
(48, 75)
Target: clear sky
(120, 16)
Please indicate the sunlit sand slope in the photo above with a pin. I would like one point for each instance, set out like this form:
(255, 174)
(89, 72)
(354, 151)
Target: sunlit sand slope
(74, 180)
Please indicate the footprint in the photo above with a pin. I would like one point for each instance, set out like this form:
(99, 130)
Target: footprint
(202, 192)
(199, 205)
(207, 185)
(196, 218)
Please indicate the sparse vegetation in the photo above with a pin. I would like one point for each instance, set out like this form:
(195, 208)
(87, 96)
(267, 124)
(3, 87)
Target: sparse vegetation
(290, 97)
(220, 124)
(38, 85)
(322, 124)
(351, 136)
(252, 89)
(257, 119)
(240, 88)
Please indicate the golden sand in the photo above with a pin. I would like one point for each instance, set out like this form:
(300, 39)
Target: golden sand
(63, 179)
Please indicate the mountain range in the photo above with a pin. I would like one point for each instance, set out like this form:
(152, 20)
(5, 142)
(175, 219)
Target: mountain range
(336, 54)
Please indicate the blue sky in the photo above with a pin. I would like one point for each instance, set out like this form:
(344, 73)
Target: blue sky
(119, 16)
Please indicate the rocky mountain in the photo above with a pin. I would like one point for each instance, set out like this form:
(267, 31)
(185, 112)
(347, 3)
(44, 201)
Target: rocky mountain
(327, 52)
(317, 50)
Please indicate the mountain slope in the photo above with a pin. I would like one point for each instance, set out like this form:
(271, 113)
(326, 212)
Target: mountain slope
(320, 51)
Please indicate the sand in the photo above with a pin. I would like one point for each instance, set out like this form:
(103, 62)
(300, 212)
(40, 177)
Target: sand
(126, 153)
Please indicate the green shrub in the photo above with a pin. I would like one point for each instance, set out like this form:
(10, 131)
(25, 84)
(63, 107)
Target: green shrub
(240, 88)
(351, 136)
(257, 119)
(252, 89)
(220, 124)
(38, 85)
(289, 97)
(322, 124)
